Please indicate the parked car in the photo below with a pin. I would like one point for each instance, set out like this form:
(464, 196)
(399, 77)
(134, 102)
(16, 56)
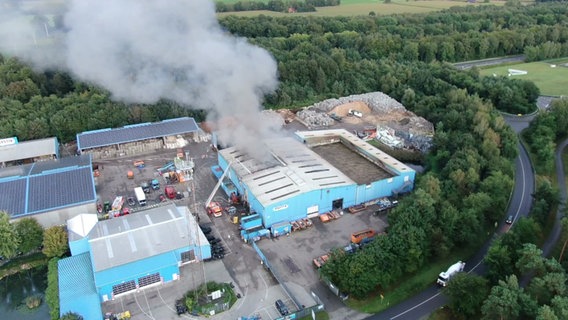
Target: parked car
(231, 210)
(281, 307)
(131, 201)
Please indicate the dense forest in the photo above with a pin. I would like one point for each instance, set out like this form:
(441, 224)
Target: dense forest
(469, 176)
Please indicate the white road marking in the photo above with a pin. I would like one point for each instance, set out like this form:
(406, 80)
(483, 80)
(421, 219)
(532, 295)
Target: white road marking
(416, 306)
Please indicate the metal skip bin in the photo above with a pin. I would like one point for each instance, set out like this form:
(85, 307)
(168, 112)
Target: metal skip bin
(281, 228)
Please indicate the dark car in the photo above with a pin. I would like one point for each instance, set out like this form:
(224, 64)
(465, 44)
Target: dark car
(131, 201)
(214, 241)
(509, 220)
(210, 237)
(281, 307)
(180, 307)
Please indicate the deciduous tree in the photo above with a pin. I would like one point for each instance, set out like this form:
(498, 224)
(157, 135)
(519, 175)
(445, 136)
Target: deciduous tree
(30, 233)
(55, 241)
(9, 240)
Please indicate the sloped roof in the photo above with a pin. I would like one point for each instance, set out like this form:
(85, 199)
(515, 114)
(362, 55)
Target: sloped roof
(77, 291)
(82, 224)
(46, 186)
(144, 234)
(292, 169)
(136, 132)
(29, 149)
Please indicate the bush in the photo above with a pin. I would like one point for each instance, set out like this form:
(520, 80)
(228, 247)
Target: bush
(52, 291)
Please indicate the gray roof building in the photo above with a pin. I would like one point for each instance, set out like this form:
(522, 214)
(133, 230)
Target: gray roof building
(291, 169)
(135, 132)
(141, 235)
(42, 148)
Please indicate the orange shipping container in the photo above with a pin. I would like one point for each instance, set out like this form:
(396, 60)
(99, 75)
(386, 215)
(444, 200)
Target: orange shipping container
(357, 237)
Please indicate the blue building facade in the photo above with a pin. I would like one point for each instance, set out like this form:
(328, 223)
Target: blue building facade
(133, 252)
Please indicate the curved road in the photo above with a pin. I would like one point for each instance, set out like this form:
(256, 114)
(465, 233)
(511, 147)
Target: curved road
(424, 303)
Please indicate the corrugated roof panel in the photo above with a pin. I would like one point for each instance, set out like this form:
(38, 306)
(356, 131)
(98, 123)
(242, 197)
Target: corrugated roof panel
(77, 291)
(29, 149)
(12, 196)
(101, 138)
(61, 189)
(146, 233)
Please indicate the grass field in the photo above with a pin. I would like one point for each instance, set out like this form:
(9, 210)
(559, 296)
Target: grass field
(363, 7)
(550, 81)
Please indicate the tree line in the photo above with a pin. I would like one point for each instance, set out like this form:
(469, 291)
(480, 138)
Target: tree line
(275, 5)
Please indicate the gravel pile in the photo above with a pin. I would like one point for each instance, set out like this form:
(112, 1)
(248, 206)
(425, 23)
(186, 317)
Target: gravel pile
(314, 119)
(377, 101)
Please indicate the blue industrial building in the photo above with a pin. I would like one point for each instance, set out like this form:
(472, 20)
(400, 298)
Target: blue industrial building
(53, 191)
(311, 174)
(122, 255)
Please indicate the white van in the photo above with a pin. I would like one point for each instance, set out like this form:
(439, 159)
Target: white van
(355, 113)
(140, 196)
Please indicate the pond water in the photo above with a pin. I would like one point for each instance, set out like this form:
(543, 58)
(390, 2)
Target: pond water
(14, 290)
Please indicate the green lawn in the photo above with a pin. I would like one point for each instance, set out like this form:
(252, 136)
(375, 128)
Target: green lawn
(363, 7)
(550, 81)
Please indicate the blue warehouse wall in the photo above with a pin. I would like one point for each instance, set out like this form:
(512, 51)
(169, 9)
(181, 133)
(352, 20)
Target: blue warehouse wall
(297, 207)
(166, 264)
(200, 254)
(382, 188)
(79, 246)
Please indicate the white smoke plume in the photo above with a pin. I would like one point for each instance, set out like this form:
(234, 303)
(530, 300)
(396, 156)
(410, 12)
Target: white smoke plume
(146, 50)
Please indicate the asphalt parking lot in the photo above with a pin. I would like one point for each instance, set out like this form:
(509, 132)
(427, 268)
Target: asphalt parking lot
(290, 256)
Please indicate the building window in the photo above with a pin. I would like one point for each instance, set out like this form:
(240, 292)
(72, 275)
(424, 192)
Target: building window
(187, 256)
(149, 279)
(123, 287)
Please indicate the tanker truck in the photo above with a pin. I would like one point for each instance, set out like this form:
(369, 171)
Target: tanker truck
(454, 269)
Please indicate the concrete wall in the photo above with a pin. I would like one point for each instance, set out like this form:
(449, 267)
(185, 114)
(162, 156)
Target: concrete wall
(126, 149)
(60, 216)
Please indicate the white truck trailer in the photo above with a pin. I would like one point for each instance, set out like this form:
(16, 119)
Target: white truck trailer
(454, 269)
(140, 196)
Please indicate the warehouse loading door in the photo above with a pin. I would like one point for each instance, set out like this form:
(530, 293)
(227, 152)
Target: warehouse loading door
(149, 279)
(337, 204)
(123, 287)
(187, 256)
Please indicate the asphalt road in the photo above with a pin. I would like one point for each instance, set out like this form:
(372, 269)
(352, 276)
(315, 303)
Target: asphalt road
(560, 175)
(427, 301)
(488, 62)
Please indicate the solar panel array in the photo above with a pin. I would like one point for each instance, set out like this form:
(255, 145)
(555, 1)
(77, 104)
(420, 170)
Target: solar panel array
(12, 199)
(60, 189)
(46, 185)
(101, 138)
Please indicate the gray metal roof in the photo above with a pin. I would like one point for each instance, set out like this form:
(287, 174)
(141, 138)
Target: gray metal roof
(292, 169)
(137, 132)
(29, 149)
(46, 186)
(142, 235)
